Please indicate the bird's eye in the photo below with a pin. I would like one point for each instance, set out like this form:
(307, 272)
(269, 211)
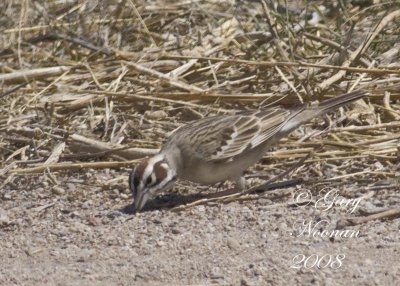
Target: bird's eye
(149, 180)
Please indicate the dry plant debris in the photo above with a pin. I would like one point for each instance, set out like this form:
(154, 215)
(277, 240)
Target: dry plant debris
(89, 87)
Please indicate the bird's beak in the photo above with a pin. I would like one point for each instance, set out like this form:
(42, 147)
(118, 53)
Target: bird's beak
(140, 200)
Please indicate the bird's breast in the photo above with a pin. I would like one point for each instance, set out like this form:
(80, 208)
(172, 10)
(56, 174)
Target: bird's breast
(206, 173)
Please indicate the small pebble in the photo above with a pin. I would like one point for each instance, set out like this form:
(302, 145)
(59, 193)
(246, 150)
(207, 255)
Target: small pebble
(176, 230)
(233, 243)
(4, 220)
(58, 191)
(156, 114)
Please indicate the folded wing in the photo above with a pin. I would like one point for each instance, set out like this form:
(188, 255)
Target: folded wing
(221, 138)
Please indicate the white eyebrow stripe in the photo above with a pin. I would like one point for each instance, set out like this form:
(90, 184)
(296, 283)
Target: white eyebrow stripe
(147, 172)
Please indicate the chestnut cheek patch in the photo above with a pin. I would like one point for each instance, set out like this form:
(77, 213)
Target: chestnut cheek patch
(160, 172)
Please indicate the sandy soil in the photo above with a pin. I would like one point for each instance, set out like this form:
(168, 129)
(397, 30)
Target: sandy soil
(80, 234)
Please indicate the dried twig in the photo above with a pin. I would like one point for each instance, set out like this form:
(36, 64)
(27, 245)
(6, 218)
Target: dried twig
(170, 80)
(33, 74)
(75, 167)
(100, 146)
(388, 214)
(361, 50)
(386, 70)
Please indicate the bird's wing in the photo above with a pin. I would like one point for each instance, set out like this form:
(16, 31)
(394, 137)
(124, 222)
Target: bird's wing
(221, 138)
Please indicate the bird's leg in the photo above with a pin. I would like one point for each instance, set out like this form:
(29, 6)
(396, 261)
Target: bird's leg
(219, 185)
(207, 188)
(240, 186)
(203, 191)
(240, 183)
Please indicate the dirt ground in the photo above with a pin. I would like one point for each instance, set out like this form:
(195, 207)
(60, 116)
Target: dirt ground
(80, 236)
(87, 88)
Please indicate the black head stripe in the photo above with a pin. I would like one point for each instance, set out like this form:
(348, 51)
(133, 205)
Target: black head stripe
(131, 185)
(133, 181)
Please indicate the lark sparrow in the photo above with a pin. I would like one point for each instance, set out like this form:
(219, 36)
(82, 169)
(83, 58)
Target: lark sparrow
(220, 148)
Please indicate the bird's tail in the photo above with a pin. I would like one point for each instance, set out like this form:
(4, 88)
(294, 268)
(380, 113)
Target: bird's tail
(306, 114)
(336, 102)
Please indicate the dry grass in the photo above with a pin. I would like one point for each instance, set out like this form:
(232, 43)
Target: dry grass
(91, 84)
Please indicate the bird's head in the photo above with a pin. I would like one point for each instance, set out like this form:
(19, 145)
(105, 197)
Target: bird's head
(150, 176)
